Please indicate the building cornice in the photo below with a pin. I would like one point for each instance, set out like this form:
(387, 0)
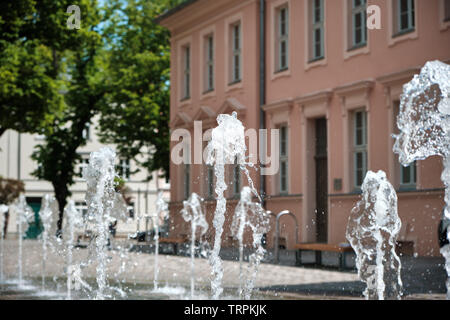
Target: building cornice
(322, 96)
(182, 119)
(279, 105)
(189, 13)
(399, 76)
(232, 104)
(354, 87)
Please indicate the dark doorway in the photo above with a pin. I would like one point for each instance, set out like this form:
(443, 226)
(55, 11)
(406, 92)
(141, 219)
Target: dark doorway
(35, 228)
(321, 181)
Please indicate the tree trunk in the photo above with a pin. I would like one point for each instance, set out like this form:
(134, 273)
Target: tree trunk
(5, 227)
(61, 193)
(2, 130)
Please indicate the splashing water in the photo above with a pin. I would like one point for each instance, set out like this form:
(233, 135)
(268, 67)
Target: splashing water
(119, 213)
(25, 216)
(74, 221)
(161, 208)
(49, 207)
(424, 123)
(100, 196)
(372, 230)
(227, 145)
(252, 215)
(192, 211)
(3, 210)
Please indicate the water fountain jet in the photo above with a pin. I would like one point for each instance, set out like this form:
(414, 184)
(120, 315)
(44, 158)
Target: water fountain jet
(49, 208)
(161, 207)
(372, 230)
(3, 210)
(74, 221)
(25, 215)
(424, 124)
(192, 211)
(100, 196)
(249, 214)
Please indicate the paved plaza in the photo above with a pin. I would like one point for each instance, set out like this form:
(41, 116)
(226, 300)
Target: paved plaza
(423, 279)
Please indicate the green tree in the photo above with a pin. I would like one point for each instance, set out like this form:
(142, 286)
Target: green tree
(33, 41)
(28, 93)
(136, 116)
(85, 87)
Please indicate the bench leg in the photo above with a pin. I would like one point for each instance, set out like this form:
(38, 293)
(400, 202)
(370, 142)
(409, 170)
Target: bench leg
(342, 261)
(318, 257)
(175, 248)
(298, 257)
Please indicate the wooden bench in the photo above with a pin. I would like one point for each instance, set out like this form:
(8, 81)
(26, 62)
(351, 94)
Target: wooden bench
(319, 247)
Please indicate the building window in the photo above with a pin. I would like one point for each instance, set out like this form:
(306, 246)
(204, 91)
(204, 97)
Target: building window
(82, 208)
(235, 52)
(283, 178)
(87, 132)
(316, 30)
(446, 10)
(130, 210)
(210, 181)
(282, 32)
(187, 180)
(187, 72)
(84, 162)
(408, 174)
(358, 23)
(404, 16)
(360, 147)
(209, 63)
(123, 169)
(236, 178)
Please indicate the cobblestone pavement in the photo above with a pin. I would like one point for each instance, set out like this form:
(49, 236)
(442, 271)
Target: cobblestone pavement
(289, 282)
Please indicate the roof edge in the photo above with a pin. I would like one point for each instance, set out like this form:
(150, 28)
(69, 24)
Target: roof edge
(172, 11)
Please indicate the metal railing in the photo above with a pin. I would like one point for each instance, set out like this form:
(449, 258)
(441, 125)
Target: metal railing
(277, 231)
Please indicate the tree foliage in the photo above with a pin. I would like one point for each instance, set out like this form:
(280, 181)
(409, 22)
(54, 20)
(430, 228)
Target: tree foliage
(136, 115)
(10, 189)
(54, 80)
(83, 72)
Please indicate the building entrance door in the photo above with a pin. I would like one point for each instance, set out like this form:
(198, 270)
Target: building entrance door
(321, 180)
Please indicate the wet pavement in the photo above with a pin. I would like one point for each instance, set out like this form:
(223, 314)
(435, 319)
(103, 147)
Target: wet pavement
(423, 278)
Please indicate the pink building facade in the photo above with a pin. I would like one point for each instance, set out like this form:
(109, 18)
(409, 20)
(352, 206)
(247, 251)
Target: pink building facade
(313, 70)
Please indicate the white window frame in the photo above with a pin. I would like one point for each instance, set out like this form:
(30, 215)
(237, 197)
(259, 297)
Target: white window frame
(236, 178)
(82, 208)
(282, 38)
(187, 181)
(210, 181)
(317, 25)
(284, 160)
(411, 17)
(209, 63)
(83, 163)
(412, 173)
(186, 72)
(125, 169)
(446, 7)
(236, 53)
(360, 9)
(87, 132)
(130, 211)
(359, 148)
